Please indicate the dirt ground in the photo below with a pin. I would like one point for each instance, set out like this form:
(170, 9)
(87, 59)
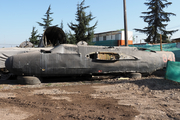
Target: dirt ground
(149, 98)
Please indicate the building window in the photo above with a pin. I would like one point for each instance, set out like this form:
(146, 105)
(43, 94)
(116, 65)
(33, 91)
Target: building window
(104, 38)
(117, 37)
(97, 38)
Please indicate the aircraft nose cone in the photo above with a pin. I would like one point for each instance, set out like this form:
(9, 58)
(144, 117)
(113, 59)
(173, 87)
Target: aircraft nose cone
(9, 63)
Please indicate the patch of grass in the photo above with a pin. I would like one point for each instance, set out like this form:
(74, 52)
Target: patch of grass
(96, 81)
(58, 85)
(49, 84)
(66, 84)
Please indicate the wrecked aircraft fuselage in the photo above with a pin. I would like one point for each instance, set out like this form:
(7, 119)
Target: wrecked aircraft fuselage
(67, 59)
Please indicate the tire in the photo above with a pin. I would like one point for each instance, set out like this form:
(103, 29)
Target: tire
(28, 80)
(6, 76)
(135, 75)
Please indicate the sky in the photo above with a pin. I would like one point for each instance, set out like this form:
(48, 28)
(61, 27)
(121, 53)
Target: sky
(18, 17)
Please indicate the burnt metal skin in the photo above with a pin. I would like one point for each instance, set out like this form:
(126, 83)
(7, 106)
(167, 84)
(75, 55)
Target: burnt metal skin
(66, 59)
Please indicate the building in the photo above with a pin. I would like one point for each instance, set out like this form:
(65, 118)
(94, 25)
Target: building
(177, 41)
(112, 38)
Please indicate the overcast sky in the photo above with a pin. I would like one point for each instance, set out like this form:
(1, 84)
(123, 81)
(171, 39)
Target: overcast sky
(19, 16)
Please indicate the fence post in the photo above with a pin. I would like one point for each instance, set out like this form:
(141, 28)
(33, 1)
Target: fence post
(161, 42)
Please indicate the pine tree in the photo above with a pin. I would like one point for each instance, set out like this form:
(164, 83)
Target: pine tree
(82, 29)
(70, 38)
(155, 18)
(47, 20)
(34, 37)
(61, 25)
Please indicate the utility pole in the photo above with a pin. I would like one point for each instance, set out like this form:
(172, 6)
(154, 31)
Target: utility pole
(125, 24)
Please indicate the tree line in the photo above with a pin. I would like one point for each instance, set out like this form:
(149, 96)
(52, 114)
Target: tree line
(156, 18)
(82, 30)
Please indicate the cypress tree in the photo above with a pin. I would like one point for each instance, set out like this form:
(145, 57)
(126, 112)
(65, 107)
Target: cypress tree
(155, 18)
(47, 20)
(33, 39)
(82, 29)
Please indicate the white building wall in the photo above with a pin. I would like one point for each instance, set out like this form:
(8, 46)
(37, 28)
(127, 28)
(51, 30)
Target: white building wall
(101, 38)
(108, 37)
(118, 36)
(113, 37)
(130, 35)
(122, 35)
